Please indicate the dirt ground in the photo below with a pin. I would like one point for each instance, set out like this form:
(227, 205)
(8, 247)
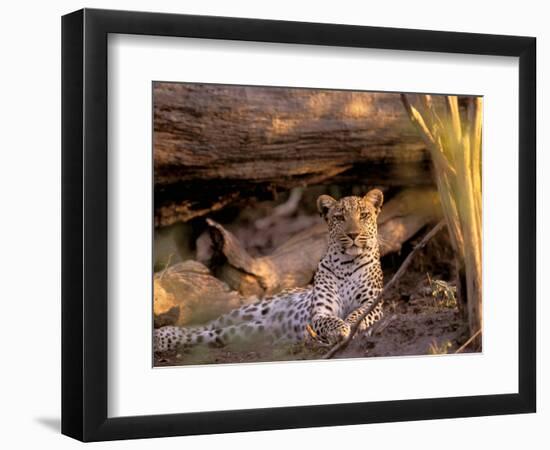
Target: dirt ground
(421, 315)
(418, 324)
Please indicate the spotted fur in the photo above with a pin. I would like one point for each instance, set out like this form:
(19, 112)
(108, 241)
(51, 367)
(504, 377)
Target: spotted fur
(347, 281)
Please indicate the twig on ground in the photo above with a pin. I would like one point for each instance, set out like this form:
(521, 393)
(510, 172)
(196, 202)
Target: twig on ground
(345, 342)
(468, 342)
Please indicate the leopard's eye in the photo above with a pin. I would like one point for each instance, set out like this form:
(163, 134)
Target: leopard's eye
(338, 216)
(364, 216)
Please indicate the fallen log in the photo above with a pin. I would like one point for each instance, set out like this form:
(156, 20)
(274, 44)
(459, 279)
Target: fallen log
(214, 144)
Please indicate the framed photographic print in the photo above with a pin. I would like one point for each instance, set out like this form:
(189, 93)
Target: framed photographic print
(266, 224)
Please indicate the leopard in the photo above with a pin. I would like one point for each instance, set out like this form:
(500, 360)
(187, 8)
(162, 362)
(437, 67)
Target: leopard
(346, 283)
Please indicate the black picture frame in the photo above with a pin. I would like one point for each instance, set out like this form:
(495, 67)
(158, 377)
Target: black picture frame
(84, 224)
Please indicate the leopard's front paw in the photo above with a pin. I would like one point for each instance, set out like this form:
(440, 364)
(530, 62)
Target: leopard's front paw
(329, 330)
(363, 326)
(339, 333)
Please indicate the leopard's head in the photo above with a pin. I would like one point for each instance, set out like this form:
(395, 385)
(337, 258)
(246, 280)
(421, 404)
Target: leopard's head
(352, 221)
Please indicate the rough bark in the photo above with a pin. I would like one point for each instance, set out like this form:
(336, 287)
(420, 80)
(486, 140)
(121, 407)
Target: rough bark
(210, 145)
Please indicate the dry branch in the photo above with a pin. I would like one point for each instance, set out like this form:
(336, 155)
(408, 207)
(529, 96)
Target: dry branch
(283, 210)
(468, 342)
(345, 342)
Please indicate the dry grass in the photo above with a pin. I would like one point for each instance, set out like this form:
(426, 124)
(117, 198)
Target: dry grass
(452, 134)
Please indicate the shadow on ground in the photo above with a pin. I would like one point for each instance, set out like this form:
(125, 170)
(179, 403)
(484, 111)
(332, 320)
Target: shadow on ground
(52, 423)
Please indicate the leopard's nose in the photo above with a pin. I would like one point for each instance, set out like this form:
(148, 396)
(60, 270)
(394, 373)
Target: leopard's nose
(352, 235)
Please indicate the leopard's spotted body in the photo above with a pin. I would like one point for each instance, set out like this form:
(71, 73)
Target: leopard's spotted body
(347, 281)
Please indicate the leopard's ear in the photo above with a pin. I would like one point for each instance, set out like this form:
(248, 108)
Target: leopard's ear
(324, 203)
(375, 197)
